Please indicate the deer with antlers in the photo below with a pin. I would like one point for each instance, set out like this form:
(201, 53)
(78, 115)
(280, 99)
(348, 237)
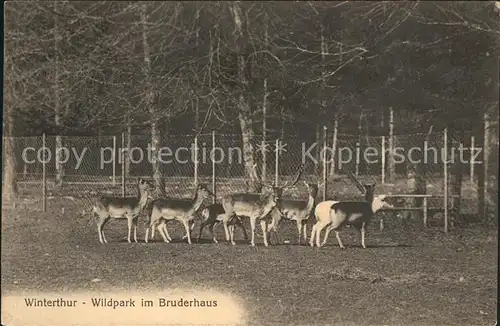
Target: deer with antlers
(180, 209)
(295, 210)
(254, 206)
(343, 213)
(129, 208)
(212, 215)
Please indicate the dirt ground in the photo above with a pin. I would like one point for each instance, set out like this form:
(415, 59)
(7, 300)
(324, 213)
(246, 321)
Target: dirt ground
(407, 276)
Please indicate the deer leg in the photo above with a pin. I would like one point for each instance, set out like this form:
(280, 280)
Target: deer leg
(191, 227)
(305, 232)
(163, 232)
(313, 234)
(263, 226)
(363, 231)
(148, 227)
(319, 227)
(231, 229)
(99, 230)
(225, 221)
(338, 239)
(135, 228)
(231, 234)
(186, 227)
(153, 221)
(271, 233)
(336, 226)
(242, 227)
(327, 233)
(252, 226)
(146, 236)
(278, 238)
(299, 228)
(213, 233)
(202, 226)
(100, 224)
(130, 222)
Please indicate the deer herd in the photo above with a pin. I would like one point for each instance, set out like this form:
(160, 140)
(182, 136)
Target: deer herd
(266, 208)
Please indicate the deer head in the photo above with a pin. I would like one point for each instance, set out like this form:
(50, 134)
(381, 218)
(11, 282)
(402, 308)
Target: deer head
(366, 189)
(312, 188)
(203, 192)
(145, 186)
(277, 191)
(380, 202)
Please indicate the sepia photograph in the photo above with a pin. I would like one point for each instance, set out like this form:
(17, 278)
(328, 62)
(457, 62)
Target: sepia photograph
(250, 163)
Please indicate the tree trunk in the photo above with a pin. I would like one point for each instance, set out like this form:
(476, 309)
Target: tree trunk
(455, 183)
(322, 135)
(334, 149)
(264, 131)
(9, 169)
(10, 191)
(247, 134)
(282, 128)
(392, 165)
(359, 143)
(58, 113)
(128, 144)
(197, 100)
(197, 114)
(490, 163)
(156, 134)
(244, 111)
(157, 171)
(317, 163)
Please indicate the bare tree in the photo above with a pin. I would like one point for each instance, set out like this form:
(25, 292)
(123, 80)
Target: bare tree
(243, 102)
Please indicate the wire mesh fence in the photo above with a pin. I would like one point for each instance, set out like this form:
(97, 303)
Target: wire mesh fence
(85, 167)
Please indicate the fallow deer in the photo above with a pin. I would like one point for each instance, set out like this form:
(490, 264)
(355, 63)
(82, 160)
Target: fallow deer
(122, 208)
(355, 213)
(164, 209)
(295, 210)
(253, 205)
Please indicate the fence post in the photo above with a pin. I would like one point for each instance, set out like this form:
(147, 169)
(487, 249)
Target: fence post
(471, 158)
(357, 158)
(264, 160)
(392, 166)
(383, 159)
(44, 176)
(445, 167)
(425, 211)
(276, 163)
(264, 133)
(334, 147)
(122, 156)
(114, 160)
(325, 132)
(213, 168)
(196, 159)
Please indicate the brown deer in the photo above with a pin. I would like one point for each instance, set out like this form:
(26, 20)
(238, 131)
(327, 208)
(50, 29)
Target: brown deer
(342, 213)
(296, 210)
(122, 208)
(254, 206)
(183, 210)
